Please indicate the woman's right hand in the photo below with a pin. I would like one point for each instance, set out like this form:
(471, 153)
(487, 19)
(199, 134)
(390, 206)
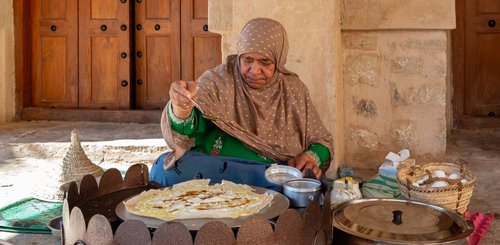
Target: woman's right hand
(181, 93)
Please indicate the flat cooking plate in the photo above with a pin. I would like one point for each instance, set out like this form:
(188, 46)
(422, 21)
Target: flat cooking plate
(278, 205)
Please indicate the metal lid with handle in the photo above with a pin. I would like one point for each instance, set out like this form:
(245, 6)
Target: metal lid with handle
(395, 221)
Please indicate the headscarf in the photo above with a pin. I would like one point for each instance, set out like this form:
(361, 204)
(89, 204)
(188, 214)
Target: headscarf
(278, 121)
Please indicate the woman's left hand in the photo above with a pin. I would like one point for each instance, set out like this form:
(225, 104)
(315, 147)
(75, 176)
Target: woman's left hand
(305, 160)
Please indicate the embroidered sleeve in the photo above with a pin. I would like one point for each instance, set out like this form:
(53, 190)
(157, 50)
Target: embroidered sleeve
(180, 124)
(320, 152)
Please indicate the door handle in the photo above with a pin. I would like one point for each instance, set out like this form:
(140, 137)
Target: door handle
(492, 23)
(124, 83)
(205, 27)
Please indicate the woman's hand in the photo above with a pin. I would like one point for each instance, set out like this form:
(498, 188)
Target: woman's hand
(180, 94)
(306, 160)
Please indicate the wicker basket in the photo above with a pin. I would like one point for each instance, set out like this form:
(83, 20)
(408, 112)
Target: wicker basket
(456, 196)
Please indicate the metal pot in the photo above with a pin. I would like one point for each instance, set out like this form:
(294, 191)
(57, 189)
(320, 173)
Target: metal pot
(394, 221)
(302, 191)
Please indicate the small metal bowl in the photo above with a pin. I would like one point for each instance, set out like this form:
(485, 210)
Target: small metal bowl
(279, 174)
(55, 226)
(301, 192)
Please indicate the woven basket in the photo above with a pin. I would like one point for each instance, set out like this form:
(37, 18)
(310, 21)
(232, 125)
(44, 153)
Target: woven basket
(455, 197)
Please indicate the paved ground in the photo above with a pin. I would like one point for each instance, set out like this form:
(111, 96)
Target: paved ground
(28, 149)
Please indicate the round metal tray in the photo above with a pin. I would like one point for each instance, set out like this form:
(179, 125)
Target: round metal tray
(278, 205)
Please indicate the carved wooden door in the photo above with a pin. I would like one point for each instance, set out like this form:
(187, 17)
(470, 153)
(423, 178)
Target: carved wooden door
(104, 49)
(158, 53)
(86, 54)
(476, 64)
(53, 50)
(200, 48)
(172, 42)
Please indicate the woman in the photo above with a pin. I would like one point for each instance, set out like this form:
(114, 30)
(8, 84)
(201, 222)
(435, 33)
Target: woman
(256, 113)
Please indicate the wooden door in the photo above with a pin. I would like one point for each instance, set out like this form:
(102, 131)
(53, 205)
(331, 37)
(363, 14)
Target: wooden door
(477, 64)
(200, 48)
(54, 53)
(104, 54)
(158, 55)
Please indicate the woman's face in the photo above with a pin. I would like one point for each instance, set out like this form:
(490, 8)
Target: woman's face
(256, 69)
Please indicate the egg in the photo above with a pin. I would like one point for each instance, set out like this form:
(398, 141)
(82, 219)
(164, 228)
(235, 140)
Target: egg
(439, 173)
(436, 184)
(454, 176)
(416, 184)
(426, 177)
(464, 181)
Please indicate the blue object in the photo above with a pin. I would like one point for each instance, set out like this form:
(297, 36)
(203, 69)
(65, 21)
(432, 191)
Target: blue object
(197, 165)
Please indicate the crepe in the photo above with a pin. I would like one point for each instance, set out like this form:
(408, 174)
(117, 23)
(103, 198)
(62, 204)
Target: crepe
(196, 199)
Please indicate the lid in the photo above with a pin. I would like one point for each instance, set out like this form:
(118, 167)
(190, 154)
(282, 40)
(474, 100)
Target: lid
(279, 174)
(400, 221)
(302, 185)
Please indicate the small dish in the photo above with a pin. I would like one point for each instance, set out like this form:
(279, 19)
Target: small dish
(279, 174)
(55, 226)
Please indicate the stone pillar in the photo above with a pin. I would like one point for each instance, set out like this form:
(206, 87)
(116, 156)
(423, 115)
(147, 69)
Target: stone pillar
(396, 76)
(7, 62)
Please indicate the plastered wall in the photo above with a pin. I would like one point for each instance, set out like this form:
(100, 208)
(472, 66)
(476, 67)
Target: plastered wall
(7, 67)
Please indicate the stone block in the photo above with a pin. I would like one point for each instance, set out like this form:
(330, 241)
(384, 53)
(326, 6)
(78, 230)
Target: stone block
(359, 41)
(423, 95)
(403, 133)
(407, 65)
(412, 44)
(364, 138)
(362, 68)
(435, 44)
(364, 107)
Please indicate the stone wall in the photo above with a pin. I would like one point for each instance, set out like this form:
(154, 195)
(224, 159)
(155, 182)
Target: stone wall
(395, 94)
(396, 77)
(7, 66)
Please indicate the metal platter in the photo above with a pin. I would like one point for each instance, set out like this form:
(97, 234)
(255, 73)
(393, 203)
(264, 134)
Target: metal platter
(278, 205)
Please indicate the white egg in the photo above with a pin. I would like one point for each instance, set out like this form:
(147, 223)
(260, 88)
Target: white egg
(416, 184)
(420, 181)
(438, 184)
(464, 181)
(426, 177)
(454, 176)
(439, 173)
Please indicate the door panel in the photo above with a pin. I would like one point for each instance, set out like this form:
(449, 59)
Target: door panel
(54, 54)
(158, 42)
(482, 59)
(104, 88)
(104, 31)
(200, 49)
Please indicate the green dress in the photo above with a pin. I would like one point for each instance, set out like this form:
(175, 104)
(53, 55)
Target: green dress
(213, 141)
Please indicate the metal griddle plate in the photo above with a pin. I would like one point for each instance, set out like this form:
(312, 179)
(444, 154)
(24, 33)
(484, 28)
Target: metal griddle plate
(278, 205)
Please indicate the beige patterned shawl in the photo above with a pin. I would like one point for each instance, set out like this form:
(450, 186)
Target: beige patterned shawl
(279, 121)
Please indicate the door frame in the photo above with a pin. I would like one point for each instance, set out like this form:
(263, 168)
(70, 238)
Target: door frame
(460, 119)
(23, 90)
